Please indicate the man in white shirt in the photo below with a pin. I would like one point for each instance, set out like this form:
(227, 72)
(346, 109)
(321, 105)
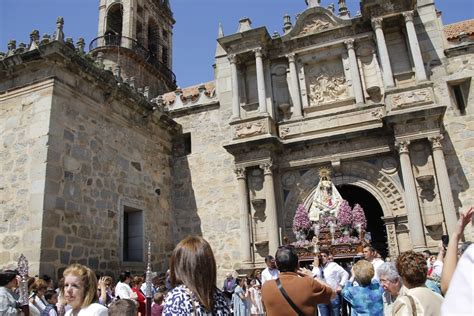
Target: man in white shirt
(370, 255)
(271, 272)
(122, 289)
(335, 276)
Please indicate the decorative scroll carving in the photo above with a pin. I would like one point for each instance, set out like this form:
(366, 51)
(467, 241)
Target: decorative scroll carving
(240, 172)
(392, 240)
(377, 113)
(408, 16)
(377, 23)
(267, 167)
(284, 131)
(291, 57)
(412, 98)
(251, 129)
(327, 85)
(258, 52)
(316, 24)
(436, 142)
(349, 44)
(403, 146)
(232, 58)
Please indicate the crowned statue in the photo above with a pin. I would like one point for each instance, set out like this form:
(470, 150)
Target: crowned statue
(326, 198)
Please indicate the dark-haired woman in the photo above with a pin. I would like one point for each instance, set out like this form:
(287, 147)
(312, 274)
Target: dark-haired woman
(8, 304)
(193, 279)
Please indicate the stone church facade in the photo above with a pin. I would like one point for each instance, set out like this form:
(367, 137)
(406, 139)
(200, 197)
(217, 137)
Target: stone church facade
(97, 158)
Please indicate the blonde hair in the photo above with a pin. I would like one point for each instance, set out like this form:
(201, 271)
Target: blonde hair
(39, 284)
(88, 278)
(363, 272)
(136, 280)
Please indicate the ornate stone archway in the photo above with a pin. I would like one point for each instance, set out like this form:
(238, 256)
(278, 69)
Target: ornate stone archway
(379, 179)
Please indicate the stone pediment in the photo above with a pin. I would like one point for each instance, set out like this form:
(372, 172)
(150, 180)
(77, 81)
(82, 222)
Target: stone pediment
(315, 20)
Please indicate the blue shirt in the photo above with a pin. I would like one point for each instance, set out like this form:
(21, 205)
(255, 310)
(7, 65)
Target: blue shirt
(365, 300)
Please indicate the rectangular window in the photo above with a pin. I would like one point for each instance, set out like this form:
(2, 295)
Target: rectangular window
(460, 94)
(182, 145)
(132, 235)
(164, 57)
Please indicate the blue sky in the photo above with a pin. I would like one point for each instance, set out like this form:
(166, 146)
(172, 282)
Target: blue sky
(196, 27)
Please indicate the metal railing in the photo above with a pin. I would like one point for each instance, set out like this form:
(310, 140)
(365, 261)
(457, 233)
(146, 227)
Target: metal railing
(115, 40)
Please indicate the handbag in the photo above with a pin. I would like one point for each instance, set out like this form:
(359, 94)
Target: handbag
(288, 299)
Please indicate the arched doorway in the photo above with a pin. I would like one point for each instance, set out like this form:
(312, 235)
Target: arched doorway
(373, 212)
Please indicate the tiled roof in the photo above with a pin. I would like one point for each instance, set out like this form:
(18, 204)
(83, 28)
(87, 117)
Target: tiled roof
(452, 30)
(189, 92)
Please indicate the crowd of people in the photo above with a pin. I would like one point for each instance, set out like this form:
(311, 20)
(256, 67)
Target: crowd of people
(414, 284)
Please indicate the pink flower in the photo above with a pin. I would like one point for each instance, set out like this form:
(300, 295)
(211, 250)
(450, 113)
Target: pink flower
(358, 217)
(301, 220)
(344, 216)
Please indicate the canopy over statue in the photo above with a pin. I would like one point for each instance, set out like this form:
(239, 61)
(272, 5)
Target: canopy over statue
(326, 198)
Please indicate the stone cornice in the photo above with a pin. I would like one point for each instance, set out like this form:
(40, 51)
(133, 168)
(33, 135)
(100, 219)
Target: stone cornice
(49, 59)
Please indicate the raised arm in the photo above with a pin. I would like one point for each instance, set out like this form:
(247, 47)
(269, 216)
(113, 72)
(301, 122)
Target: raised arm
(451, 258)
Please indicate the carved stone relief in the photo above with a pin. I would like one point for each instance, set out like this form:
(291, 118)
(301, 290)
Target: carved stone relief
(392, 240)
(411, 98)
(327, 83)
(316, 23)
(250, 129)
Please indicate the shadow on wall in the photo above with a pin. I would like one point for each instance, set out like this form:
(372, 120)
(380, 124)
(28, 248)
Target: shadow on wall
(431, 58)
(457, 176)
(186, 220)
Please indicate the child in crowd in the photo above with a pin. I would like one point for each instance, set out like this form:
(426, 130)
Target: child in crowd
(157, 307)
(51, 297)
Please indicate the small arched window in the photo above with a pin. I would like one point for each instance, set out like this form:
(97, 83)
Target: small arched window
(153, 37)
(115, 19)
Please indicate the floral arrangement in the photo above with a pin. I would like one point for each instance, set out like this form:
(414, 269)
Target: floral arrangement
(346, 240)
(301, 220)
(358, 217)
(344, 216)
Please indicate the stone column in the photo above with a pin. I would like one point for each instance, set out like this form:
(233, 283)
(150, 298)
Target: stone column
(262, 95)
(356, 84)
(244, 215)
(417, 233)
(420, 72)
(235, 87)
(295, 91)
(270, 210)
(444, 186)
(383, 53)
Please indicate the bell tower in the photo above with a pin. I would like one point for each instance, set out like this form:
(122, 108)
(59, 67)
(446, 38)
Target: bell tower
(135, 41)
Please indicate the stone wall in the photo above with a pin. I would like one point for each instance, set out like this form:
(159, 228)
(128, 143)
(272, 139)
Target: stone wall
(101, 158)
(76, 150)
(459, 138)
(24, 121)
(205, 195)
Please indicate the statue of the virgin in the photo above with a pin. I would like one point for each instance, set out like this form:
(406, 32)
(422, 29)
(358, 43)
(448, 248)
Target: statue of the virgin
(326, 198)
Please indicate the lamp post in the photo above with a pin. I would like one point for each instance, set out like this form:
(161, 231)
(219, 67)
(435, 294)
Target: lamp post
(148, 280)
